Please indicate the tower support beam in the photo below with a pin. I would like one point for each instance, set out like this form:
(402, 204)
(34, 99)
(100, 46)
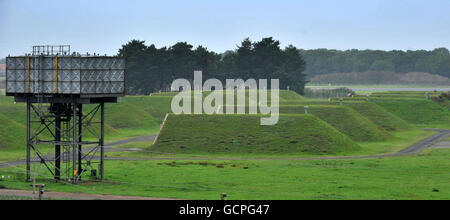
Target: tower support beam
(102, 142)
(80, 139)
(58, 140)
(62, 126)
(74, 143)
(28, 141)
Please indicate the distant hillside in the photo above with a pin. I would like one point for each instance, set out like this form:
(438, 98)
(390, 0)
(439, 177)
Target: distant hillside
(3, 61)
(325, 61)
(375, 77)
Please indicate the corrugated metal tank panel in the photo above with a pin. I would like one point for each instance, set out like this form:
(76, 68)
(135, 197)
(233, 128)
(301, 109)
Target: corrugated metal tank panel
(73, 75)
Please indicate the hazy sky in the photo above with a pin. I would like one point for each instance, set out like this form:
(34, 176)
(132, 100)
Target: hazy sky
(103, 26)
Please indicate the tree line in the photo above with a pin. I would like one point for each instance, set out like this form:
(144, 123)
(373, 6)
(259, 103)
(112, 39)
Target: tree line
(324, 61)
(151, 69)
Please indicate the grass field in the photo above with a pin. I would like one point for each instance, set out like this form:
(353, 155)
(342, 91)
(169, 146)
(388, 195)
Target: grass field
(262, 164)
(414, 177)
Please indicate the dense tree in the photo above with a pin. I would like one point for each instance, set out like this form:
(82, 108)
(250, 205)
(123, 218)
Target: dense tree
(150, 69)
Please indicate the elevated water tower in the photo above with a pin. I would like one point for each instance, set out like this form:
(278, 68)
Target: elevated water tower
(62, 135)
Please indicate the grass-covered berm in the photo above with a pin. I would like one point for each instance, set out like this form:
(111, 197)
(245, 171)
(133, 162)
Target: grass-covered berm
(243, 134)
(418, 109)
(347, 120)
(203, 156)
(378, 120)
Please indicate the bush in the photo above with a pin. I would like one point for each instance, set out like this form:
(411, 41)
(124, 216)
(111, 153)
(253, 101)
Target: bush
(442, 97)
(328, 93)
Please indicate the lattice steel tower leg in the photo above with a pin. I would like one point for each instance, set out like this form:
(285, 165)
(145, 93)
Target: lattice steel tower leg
(80, 139)
(74, 143)
(58, 140)
(28, 140)
(102, 142)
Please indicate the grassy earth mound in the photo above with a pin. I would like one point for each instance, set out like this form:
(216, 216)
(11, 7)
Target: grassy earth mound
(243, 134)
(380, 116)
(422, 113)
(344, 119)
(285, 95)
(156, 106)
(13, 134)
(125, 115)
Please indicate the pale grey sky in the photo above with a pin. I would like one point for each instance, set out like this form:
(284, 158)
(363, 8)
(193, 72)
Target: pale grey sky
(102, 26)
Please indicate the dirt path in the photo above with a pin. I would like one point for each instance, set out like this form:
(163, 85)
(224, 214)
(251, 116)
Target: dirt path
(75, 196)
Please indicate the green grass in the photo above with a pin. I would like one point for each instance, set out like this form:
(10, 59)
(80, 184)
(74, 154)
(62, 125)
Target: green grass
(127, 116)
(9, 155)
(344, 119)
(243, 134)
(12, 134)
(380, 116)
(156, 106)
(13, 139)
(134, 116)
(421, 113)
(130, 120)
(290, 96)
(411, 107)
(17, 113)
(326, 131)
(398, 142)
(413, 178)
(284, 94)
